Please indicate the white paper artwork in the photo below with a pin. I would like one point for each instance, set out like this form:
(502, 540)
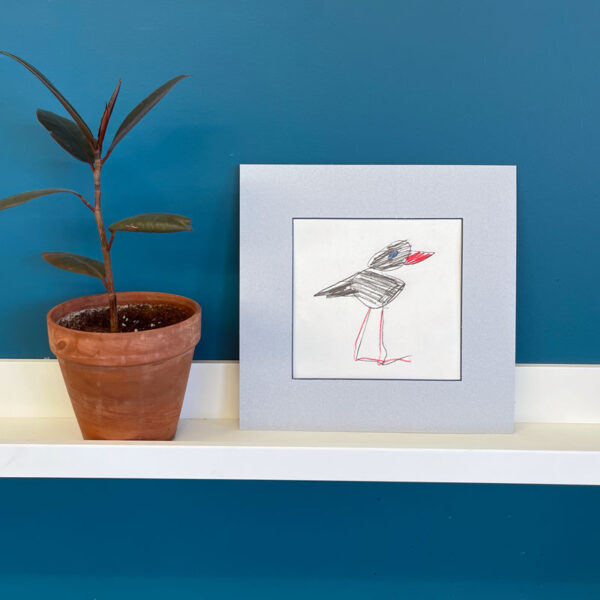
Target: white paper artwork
(377, 298)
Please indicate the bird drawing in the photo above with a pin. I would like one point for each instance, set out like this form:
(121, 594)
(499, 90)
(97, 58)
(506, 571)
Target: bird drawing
(375, 289)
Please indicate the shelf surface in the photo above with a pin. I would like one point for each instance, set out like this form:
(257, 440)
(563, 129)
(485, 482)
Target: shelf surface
(39, 437)
(217, 449)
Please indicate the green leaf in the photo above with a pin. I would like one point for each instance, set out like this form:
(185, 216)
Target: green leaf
(67, 135)
(27, 196)
(70, 109)
(141, 110)
(153, 223)
(75, 263)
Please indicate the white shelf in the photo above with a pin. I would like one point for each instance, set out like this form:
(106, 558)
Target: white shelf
(217, 449)
(39, 437)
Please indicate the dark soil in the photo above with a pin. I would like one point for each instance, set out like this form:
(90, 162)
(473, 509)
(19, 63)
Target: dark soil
(132, 317)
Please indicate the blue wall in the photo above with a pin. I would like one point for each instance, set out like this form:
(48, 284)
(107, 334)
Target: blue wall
(336, 81)
(490, 82)
(152, 540)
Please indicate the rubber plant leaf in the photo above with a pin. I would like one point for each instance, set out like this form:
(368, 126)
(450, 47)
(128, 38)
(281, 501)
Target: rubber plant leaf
(75, 263)
(27, 196)
(153, 223)
(67, 135)
(68, 106)
(142, 109)
(107, 114)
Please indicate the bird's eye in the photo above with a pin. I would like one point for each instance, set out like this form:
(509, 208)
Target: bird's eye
(393, 254)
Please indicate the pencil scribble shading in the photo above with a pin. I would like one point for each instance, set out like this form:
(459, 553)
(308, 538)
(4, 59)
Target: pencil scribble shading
(376, 290)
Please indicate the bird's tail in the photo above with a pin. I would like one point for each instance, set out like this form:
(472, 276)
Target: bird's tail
(337, 290)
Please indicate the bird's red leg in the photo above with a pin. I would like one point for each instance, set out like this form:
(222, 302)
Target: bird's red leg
(359, 337)
(382, 350)
(389, 361)
(381, 359)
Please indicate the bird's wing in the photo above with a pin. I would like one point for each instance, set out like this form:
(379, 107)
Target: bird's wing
(374, 288)
(339, 289)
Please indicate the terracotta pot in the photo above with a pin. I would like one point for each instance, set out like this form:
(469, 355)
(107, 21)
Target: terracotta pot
(126, 386)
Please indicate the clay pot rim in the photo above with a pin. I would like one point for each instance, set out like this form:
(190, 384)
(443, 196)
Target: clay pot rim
(50, 318)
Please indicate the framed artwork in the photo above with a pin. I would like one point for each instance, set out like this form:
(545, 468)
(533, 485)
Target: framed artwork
(377, 298)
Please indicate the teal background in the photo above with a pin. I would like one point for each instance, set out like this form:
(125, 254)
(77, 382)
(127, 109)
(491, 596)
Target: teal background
(488, 82)
(156, 540)
(331, 81)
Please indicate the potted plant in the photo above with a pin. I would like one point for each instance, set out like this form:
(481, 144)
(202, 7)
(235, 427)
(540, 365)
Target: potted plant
(125, 357)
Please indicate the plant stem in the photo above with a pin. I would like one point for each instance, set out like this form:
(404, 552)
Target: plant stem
(109, 281)
(84, 201)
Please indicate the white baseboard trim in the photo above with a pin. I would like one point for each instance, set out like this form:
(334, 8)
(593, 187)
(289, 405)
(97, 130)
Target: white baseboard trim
(557, 394)
(544, 393)
(34, 389)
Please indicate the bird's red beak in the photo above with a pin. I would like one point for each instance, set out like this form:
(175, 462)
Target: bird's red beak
(417, 257)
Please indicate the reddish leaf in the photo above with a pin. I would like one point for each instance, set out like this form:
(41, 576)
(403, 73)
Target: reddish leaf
(107, 114)
(27, 196)
(75, 263)
(141, 110)
(67, 135)
(153, 223)
(70, 109)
